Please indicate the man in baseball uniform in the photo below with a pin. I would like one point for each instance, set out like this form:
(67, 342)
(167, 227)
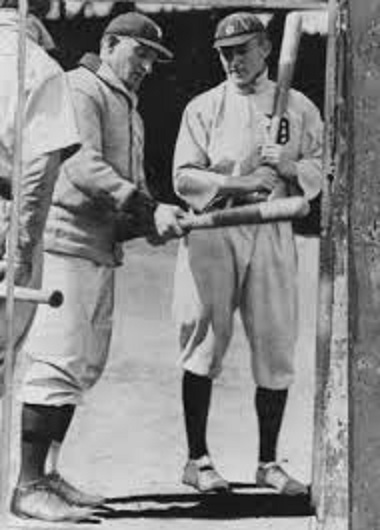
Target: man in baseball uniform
(49, 135)
(100, 197)
(223, 156)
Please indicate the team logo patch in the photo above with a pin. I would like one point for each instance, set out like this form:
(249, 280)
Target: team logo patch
(283, 131)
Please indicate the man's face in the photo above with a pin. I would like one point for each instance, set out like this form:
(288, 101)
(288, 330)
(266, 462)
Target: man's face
(131, 61)
(243, 63)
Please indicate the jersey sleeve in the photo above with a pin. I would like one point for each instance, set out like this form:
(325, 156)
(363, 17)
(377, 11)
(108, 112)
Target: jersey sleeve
(89, 171)
(192, 179)
(50, 123)
(309, 165)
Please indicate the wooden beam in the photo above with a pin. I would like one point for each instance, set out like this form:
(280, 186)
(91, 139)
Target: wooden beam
(9, 361)
(364, 267)
(330, 451)
(259, 4)
(326, 266)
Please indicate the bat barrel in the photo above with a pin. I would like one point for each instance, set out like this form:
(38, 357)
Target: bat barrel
(52, 298)
(292, 34)
(284, 209)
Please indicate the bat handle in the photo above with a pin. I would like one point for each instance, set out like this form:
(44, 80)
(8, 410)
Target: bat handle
(273, 129)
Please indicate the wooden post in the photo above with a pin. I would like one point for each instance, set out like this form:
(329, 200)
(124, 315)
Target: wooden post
(241, 4)
(364, 264)
(330, 453)
(6, 430)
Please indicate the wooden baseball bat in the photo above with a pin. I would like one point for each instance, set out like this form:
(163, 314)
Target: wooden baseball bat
(265, 212)
(52, 298)
(288, 57)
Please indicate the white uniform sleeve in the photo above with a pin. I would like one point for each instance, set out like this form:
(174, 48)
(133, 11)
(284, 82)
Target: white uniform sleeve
(192, 181)
(50, 123)
(50, 130)
(309, 166)
(40, 175)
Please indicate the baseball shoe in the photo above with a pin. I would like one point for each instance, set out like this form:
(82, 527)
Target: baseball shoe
(272, 475)
(71, 494)
(37, 501)
(202, 475)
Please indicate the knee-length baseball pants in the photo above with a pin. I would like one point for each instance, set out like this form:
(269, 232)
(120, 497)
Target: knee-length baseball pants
(68, 346)
(250, 268)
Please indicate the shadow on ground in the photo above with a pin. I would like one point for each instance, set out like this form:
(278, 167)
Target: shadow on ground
(235, 505)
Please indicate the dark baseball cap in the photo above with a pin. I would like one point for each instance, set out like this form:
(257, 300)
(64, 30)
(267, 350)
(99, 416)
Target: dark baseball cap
(142, 29)
(237, 28)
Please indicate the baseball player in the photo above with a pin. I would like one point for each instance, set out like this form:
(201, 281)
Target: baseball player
(49, 134)
(100, 189)
(223, 155)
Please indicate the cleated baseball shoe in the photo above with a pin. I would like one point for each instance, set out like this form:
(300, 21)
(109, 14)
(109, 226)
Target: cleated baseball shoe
(272, 475)
(37, 501)
(71, 494)
(202, 475)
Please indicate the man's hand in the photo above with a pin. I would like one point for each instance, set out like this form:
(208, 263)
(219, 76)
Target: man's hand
(167, 221)
(265, 178)
(274, 156)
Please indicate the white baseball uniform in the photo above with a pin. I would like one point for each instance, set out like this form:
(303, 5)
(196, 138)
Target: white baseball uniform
(49, 129)
(250, 268)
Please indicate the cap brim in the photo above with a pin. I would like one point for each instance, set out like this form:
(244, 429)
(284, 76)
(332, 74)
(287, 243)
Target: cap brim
(233, 41)
(163, 53)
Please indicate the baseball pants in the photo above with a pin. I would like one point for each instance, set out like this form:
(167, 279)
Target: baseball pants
(68, 347)
(253, 269)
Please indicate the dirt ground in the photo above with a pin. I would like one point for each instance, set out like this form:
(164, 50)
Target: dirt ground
(127, 441)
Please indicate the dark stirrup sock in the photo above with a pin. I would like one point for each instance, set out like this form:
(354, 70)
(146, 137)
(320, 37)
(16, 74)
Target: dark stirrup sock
(196, 397)
(41, 425)
(270, 407)
(36, 437)
(61, 421)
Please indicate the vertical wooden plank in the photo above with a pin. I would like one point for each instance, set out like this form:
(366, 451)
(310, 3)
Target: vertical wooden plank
(7, 405)
(325, 294)
(330, 459)
(364, 267)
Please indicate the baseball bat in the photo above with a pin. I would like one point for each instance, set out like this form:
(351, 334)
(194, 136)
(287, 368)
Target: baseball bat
(26, 294)
(265, 212)
(288, 57)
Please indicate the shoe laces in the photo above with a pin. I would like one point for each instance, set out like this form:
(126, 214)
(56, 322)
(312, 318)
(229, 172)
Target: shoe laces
(276, 464)
(56, 477)
(33, 485)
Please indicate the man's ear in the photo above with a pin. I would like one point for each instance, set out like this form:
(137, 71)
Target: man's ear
(266, 48)
(109, 42)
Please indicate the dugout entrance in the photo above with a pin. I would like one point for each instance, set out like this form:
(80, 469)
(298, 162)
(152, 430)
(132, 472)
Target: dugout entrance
(330, 465)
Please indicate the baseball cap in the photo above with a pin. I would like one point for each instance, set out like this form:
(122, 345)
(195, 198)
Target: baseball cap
(140, 28)
(237, 28)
